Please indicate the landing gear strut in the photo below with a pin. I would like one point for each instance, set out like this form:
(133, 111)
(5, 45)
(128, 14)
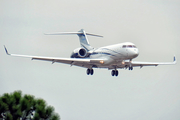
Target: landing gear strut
(114, 72)
(90, 71)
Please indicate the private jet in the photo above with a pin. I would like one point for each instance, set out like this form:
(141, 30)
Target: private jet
(112, 57)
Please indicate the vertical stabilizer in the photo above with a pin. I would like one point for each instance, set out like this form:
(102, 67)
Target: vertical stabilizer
(84, 40)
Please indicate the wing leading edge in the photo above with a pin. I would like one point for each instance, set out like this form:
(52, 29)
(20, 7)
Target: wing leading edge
(71, 61)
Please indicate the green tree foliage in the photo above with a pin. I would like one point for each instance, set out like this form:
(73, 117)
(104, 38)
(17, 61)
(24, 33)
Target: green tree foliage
(17, 107)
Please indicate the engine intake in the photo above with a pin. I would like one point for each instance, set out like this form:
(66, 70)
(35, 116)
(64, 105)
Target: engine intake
(79, 53)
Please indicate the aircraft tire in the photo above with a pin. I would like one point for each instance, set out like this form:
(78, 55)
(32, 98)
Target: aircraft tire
(88, 71)
(130, 68)
(113, 72)
(116, 72)
(92, 71)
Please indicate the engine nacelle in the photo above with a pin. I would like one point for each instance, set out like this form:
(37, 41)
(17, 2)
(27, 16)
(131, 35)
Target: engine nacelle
(79, 53)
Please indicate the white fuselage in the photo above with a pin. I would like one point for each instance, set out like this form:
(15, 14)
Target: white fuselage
(115, 53)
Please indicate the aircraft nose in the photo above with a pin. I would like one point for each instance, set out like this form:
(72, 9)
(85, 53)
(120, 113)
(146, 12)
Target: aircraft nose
(135, 52)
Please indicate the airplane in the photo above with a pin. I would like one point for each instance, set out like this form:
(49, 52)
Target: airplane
(112, 57)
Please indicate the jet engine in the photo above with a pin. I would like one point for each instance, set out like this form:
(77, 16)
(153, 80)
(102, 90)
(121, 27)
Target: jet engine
(79, 53)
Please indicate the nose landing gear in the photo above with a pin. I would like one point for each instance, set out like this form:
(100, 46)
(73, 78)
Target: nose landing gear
(130, 68)
(114, 72)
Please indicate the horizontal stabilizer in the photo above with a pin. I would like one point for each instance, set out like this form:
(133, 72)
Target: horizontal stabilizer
(71, 33)
(82, 37)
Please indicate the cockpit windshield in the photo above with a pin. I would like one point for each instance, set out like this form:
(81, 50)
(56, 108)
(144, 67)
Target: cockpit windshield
(129, 46)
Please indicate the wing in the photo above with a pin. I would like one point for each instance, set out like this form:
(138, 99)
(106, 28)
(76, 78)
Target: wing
(141, 64)
(83, 62)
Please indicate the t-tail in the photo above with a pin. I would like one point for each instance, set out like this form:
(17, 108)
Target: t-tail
(82, 38)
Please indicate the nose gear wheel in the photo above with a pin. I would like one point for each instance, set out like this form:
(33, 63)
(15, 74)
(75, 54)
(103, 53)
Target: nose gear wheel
(130, 68)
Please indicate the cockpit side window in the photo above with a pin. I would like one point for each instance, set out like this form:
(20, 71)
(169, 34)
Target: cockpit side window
(134, 46)
(124, 46)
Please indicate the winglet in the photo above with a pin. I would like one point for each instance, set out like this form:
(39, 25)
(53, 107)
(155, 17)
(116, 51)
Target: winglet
(174, 60)
(6, 50)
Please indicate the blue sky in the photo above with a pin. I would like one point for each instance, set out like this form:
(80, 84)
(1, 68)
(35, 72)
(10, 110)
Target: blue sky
(147, 93)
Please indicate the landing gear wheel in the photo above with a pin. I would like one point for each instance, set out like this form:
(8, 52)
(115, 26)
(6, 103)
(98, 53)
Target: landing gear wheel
(116, 72)
(92, 71)
(113, 72)
(88, 71)
(130, 68)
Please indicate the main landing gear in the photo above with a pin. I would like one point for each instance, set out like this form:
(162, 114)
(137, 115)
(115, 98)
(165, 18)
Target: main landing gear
(90, 71)
(114, 72)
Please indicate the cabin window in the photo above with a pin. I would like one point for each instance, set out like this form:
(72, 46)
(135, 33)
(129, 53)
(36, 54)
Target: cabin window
(124, 46)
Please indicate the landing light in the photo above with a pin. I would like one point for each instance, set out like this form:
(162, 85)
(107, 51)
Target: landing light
(123, 62)
(101, 61)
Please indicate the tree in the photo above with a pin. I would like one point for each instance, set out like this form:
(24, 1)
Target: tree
(14, 106)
